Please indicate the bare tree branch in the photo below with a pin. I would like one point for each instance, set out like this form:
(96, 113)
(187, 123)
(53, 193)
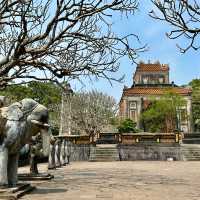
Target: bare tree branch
(53, 39)
(184, 17)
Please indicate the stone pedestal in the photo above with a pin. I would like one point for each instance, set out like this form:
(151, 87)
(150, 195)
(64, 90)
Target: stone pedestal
(35, 177)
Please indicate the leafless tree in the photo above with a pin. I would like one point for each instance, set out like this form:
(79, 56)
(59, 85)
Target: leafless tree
(52, 39)
(92, 110)
(184, 17)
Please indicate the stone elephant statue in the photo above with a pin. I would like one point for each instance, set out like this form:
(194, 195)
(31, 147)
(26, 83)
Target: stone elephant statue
(18, 123)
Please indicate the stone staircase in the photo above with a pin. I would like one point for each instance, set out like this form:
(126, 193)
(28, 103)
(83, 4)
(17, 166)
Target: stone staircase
(190, 152)
(104, 153)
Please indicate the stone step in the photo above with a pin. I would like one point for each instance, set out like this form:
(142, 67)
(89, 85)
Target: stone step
(190, 149)
(190, 152)
(191, 155)
(185, 158)
(188, 141)
(103, 160)
(192, 159)
(106, 149)
(116, 156)
(104, 153)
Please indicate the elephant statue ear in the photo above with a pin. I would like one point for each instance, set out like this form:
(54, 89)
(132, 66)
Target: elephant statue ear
(14, 112)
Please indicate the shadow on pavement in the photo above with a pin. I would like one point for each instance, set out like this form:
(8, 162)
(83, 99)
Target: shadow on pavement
(48, 190)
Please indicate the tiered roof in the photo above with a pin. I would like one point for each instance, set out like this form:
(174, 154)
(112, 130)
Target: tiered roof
(152, 67)
(155, 91)
(140, 89)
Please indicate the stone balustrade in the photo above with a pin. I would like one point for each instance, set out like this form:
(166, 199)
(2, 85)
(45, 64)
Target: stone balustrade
(65, 148)
(163, 138)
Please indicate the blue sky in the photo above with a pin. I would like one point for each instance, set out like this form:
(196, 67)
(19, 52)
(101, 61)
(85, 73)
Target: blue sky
(183, 67)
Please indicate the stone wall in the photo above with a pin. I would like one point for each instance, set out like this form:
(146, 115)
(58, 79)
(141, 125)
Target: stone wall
(149, 152)
(81, 152)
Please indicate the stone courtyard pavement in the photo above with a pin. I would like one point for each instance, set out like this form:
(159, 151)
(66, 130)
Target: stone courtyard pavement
(138, 180)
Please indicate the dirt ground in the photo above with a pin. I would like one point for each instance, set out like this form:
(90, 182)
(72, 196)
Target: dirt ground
(138, 180)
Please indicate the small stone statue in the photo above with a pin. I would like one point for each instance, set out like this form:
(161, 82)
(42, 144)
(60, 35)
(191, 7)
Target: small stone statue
(62, 152)
(67, 152)
(35, 153)
(57, 152)
(51, 164)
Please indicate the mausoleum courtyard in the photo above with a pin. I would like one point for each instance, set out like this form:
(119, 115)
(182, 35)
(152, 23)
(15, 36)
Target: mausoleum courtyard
(138, 180)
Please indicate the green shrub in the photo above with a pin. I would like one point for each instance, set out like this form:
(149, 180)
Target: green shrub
(127, 126)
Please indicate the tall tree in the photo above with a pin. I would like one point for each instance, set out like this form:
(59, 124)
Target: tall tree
(184, 18)
(195, 84)
(162, 114)
(92, 110)
(53, 39)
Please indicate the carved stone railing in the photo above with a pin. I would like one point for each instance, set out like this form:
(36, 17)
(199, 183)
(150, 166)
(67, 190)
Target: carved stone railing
(61, 147)
(164, 138)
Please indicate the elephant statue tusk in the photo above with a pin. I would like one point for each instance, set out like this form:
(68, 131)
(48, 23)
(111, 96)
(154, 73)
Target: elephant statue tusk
(39, 123)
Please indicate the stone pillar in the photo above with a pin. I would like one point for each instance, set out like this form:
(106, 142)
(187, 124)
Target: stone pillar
(139, 112)
(67, 152)
(57, 152)
(125, 108)
(62, 152)
(51, 164)
(189, 112)
(12, 170)
(3, 166)
(65, 120)
(45, 141)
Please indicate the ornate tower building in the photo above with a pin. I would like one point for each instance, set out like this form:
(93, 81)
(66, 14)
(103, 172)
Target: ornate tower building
(152, 80)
